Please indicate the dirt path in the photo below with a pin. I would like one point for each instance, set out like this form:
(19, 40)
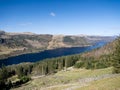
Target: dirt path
(80, 82)
(35, 77)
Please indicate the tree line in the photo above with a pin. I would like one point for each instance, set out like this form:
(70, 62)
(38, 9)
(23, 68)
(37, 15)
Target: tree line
(53, 65)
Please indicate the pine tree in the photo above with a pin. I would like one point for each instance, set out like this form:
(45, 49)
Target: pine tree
(19, 71)
(3, 77)
(3, 73)
(116, 57)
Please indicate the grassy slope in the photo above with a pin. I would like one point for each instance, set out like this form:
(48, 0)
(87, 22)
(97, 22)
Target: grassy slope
(70, 80)
(104, 84)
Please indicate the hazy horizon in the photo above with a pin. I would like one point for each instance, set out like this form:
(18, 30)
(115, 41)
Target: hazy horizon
(67, 17)
(55, 34)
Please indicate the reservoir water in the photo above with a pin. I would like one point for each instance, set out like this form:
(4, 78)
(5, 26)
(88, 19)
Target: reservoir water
(33, 57)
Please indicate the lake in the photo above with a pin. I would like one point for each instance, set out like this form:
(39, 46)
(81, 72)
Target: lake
(33, 57)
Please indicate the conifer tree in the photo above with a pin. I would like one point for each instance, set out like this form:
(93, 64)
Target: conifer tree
(116, 57)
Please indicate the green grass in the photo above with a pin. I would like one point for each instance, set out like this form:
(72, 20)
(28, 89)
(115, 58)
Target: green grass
(83, 73)
(66, 79)
(104, 84)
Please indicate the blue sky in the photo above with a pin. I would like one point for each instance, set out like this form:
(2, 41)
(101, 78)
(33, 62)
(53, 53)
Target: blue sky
(74, 17)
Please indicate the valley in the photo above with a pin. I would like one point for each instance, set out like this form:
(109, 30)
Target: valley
(13, 44)
(72, 72)
(59, 44)
(59, 67)
(51, 53)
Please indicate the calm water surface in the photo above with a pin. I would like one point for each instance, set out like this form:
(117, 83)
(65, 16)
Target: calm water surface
(33, 57)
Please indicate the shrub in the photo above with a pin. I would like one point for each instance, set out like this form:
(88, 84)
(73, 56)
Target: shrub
(24, 79)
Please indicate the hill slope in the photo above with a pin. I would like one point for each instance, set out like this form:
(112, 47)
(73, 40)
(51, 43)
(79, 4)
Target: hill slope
(76, 79)
(12, 44)
(105, 50)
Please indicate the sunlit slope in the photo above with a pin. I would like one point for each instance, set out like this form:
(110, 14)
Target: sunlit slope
(75, 79)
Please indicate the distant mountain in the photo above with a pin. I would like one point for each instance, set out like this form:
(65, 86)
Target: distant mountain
(12, 44)
(2, 32)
